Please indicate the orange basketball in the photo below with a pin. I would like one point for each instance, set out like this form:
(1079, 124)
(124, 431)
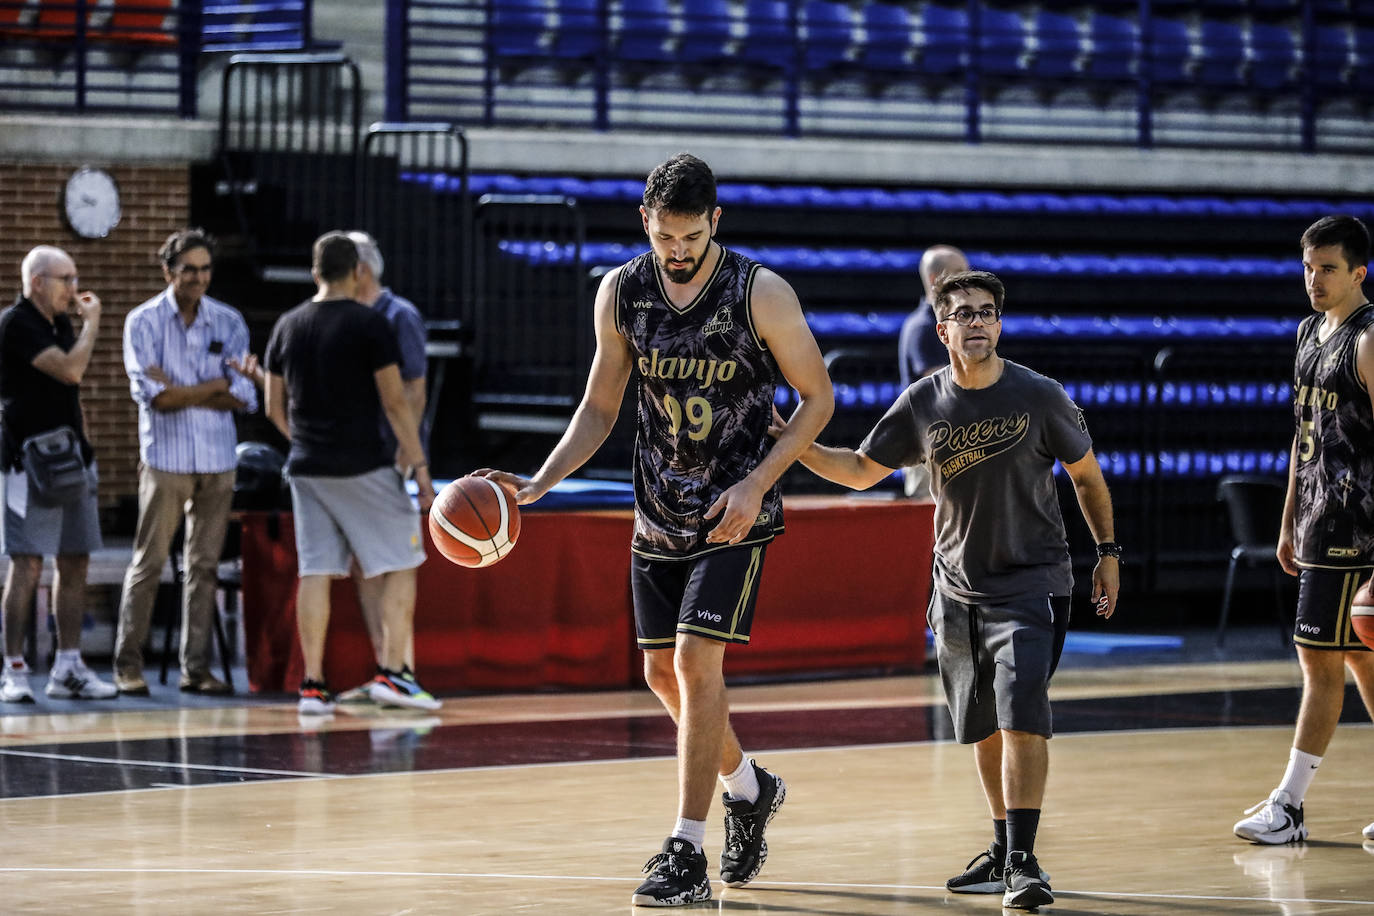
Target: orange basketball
(1362, 615)
(474, 522)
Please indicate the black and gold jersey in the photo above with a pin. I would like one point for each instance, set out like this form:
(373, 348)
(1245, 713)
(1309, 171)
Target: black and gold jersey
(1334, 524)
(706, 383)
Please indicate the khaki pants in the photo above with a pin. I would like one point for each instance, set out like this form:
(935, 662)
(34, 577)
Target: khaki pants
(163, 499)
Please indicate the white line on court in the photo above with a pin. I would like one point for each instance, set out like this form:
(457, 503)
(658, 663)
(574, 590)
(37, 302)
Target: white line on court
(162, 764)
(501, 876)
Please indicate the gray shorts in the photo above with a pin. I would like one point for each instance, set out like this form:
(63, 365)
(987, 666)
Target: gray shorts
(37, 529)
(996, 662)
(368, 516)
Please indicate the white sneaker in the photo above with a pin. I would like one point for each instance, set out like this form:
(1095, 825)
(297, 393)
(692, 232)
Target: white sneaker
(78, 683)
(14, 685)
(1369, 832)
(1274, 821)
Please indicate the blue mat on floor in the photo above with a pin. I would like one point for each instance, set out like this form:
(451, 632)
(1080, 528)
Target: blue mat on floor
(1105, 643)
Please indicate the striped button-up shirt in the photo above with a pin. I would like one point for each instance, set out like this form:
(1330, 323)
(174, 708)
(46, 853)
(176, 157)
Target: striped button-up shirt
(193, 440)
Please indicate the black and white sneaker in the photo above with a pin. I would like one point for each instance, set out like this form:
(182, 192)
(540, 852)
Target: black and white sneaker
(984, 875)
(1026, 884)
(677, 876)
(981, 876)
(1274, 821)
(745, 848)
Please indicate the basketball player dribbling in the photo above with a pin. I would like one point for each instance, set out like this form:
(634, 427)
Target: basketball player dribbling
(1327, 535)
(707, 332)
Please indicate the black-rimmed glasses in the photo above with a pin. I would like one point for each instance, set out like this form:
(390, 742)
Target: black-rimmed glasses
(964, 317)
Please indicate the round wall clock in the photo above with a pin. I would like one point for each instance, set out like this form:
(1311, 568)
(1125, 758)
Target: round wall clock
(90, 203)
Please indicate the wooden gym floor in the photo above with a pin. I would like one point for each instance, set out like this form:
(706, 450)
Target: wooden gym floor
(550, 803)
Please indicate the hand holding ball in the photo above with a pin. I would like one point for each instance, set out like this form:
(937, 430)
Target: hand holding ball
(474, 522)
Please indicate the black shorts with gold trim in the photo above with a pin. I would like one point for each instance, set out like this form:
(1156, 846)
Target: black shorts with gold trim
(1324, 598)
(712, 595)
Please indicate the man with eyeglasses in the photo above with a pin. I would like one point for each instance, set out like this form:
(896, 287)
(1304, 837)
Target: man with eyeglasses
(190, 371)
(990, 431)
(42, 362)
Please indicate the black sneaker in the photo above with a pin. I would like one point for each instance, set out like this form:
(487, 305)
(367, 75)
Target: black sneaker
(745, 848)
(1026, 884)
(982, 876)
(677, 877)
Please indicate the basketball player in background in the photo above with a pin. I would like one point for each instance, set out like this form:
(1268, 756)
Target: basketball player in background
(707, 332)
(1327, 536)
(990, 432)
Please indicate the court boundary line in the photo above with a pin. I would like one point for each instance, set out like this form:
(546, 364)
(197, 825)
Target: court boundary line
(167, 765)
(506, 876)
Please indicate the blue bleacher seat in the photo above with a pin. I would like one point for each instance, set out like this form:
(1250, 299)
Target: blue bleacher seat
(1273, 56)
(1115, 48)
(829, 32)
(1222, 54)
(887, 43)
(768, 40)
(1057, 45)
(1168, 51)
(645, 26)
(945, 37)
(1331, 57)
(517, 27)
(1001, 42)
(1362, 77)
(579, 29)
(706, 33)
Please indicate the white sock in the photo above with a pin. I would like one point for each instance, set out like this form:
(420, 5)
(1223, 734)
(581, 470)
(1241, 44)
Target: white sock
(743, 783)
(1302, 767)
(692, 831)
(66, 658)
(16, 661)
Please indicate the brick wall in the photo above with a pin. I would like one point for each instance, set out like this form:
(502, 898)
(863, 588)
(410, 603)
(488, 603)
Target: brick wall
(122, 270)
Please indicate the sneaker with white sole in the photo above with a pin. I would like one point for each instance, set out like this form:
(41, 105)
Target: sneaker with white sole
(677, 876)
(986, 874)
(745, 848)
(399, 688)
(1369, 832)
(1026, 884)
(355, 696)
(1272, 822)
(78, 682)
(315, 699)
(14, 684)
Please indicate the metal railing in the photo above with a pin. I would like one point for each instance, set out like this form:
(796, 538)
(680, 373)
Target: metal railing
(967, 70)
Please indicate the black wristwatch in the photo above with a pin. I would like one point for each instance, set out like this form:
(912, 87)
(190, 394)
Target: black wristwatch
(1109, 549)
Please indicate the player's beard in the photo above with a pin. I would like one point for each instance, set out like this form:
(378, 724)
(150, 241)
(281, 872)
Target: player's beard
(683, 275)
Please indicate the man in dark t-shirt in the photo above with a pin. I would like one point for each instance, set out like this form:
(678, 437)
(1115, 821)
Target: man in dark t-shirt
(331, 375)
(990, 432)
(42, 362)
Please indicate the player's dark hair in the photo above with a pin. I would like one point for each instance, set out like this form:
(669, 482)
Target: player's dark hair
(967, 280)
(1346, 231)
(334, 256)
(182, 241)
(683, 185)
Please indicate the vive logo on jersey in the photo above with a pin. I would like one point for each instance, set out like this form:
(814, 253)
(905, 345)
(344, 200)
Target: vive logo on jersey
(958, 448)
(705, 371)
(643, 304)
(708, 615)
(1310, 629)
(719, 324)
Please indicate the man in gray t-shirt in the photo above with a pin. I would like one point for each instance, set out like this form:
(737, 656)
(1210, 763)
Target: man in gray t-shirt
(990, 432)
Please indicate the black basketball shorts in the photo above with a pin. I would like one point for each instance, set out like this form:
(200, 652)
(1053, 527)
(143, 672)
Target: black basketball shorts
(1323, 617)
(711, 596)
